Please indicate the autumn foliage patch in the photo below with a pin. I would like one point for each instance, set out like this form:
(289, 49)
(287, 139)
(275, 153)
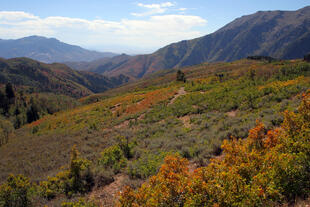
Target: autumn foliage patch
(266, 169)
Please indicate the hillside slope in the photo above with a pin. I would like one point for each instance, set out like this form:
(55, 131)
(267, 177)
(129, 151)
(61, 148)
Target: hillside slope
(100, 65)
(280, 34)
(56, 77)
(47, 50)
(127, 132)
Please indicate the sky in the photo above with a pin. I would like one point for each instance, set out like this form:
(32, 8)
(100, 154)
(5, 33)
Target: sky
(126, 26)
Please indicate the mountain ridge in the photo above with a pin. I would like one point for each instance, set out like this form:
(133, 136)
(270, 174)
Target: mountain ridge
(55, 77)
(47, 50)
(280, 34)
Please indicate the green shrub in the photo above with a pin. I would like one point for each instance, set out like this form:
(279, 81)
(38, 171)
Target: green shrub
(147, 165)
(113, 158)
(126, 146)
(6, 129)
(15, 192)
(80, 203)
(77, 179)
(54, 186)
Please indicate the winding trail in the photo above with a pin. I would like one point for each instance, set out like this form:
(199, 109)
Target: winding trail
(180, 92)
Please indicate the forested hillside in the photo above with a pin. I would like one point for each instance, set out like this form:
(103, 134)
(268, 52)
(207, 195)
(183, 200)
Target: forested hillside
(30, 90)
(58, 78)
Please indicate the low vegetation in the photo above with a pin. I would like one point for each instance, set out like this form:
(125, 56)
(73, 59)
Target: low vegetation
(130, 130)
(265, 169)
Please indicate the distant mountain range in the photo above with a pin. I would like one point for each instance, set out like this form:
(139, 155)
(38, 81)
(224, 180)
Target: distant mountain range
(47, 50)
(280, 34)
(57, 78)
(102, 65)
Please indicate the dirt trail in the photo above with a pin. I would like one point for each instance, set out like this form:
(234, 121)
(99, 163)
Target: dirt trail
(107, 195)
(186, 121)
(232, 113)
(115, 108)
(192, 166)
(181, 92)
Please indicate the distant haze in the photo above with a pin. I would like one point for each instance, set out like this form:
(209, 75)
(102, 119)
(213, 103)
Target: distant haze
(280, 34)
(47, 50)
(132, 27)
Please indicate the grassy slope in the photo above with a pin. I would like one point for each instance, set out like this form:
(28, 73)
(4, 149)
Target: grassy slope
(193, 125)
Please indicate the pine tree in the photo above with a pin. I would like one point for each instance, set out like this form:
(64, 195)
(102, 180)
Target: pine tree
(33, 112)
(181, 76)
(307, 57)
(2, 99)
(10, 94)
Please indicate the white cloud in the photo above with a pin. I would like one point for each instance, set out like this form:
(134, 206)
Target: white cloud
(182, 9)
(154, 32)
(16, 16)
(153, 8)
(156, 6)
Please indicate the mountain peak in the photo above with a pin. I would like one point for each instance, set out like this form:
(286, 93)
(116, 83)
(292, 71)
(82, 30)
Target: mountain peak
(305, 8)
(35, 37)
(47, 50)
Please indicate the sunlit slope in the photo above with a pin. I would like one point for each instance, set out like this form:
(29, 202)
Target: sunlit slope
(104, 114)
(43, 146)
(161, 115)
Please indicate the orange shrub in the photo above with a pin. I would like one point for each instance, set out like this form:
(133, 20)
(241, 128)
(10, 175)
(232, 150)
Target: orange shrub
(265, 169)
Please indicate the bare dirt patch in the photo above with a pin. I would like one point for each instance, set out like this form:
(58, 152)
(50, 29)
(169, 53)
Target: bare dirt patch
(192, 166)
(107, 195)
(141, 116)
(180, 92)
(122, 125)
(115, 108)
(232, 113)
(186, 121)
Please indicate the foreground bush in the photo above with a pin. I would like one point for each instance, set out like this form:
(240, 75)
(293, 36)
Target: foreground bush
(147, 165)
(113, 158)
(77, 179)
(15, 192)
(267, 168)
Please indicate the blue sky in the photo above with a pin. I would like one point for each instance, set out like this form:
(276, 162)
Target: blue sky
(126, 25)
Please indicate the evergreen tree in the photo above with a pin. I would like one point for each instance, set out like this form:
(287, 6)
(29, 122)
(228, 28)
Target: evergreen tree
(2, 99)
(6, 128)
(181, 76)
(307, 57)
(10, 94)
(33, 112)
(220, 76)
